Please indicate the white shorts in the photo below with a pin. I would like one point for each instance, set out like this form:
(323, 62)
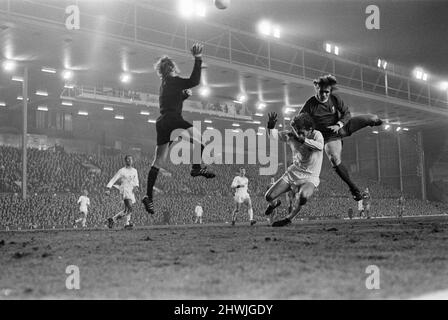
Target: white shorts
(240, 198)
(128, 194)
(83, 211)
(360, 206)
(295, 177)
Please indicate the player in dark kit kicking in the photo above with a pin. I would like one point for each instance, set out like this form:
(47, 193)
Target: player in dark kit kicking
(332, 117)
(173, 91)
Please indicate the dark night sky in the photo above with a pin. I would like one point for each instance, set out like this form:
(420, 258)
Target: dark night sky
(412, 32)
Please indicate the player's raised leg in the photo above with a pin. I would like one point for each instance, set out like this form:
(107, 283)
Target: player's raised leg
(333, 149)
(359, 122)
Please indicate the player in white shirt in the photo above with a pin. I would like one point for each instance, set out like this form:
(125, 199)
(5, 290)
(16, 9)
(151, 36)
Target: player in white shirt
(84, 202)
(302, 177)
(128, 177)
(199, 211)
(240, 184)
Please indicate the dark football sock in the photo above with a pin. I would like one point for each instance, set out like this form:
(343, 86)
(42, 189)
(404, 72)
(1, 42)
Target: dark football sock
(342, 172)
(197, 166)
(152, 177)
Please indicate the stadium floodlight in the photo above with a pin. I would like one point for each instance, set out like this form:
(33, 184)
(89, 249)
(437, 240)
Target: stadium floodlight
(67, 74)
(241, 98)
(48, 70)
(419, 74)
(398, 129)
(259, 114)
(144, 113)
(186, 8)
(264, 27)
(210, 128)
(287, 118)
(151, 121)
(67, 103)
(261, 128)
(382, 64)
(119, 117)
(9, 65)
(261, 105)
(17, 78)
(2, 104)
(288, 110)
(208, 121)
(42, 108)
(83, 113)
(406, 129)
(204, 91)
(235, 124)
(387, 127)
(201, 11)
(236, 130)
(331, 48)
(375, 132)
(69, 86)
(336, 50)
(260, 134)
(256, 122)
(125, 78)
(106, 108)
(41, 93)
(276, 32)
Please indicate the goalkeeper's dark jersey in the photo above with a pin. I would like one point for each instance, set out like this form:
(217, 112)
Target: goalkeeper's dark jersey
(171, 93)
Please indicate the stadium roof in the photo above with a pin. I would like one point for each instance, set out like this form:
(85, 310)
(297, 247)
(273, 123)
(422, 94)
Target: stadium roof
(109, 42)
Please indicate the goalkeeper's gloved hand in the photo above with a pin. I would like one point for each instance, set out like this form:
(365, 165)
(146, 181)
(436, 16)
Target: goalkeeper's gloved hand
(272, 120)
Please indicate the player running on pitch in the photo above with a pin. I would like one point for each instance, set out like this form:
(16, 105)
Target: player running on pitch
(84, 202)
(128, 177)
(333, 119)
(240, 184)
(173, 91)
(302, 177)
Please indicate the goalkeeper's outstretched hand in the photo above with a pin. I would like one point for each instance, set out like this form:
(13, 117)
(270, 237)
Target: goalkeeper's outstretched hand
(272, 120)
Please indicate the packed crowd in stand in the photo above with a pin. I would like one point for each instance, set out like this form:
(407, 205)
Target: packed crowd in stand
(56, 180)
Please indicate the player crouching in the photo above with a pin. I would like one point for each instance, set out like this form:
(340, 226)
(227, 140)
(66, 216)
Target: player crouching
(302, 177)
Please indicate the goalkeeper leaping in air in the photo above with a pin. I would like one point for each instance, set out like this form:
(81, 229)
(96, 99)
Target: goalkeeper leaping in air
(302, 177)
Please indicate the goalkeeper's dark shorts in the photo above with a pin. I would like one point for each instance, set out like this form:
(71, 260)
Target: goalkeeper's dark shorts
(166, 124)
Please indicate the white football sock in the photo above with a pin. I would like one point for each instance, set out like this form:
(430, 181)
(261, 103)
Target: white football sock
(127, 219)
(251, 214)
